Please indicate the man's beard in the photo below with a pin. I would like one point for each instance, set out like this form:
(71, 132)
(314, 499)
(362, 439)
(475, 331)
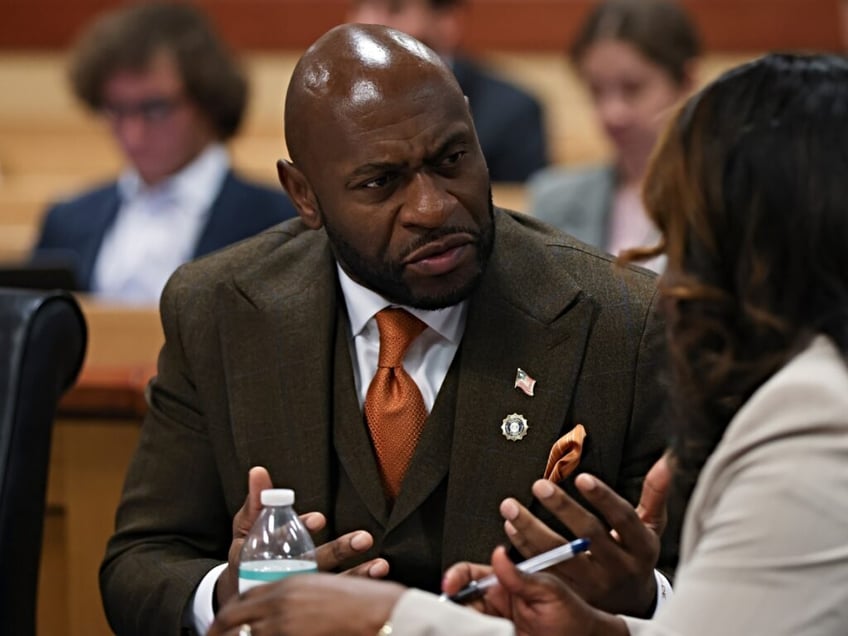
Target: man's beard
(387, 278)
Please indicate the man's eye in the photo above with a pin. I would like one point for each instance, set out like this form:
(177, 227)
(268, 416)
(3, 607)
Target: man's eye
(453, 159)
(379, 182)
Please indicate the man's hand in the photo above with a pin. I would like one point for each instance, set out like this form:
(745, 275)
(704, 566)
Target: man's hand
(616, 575)
(329, 556)
(317, 604)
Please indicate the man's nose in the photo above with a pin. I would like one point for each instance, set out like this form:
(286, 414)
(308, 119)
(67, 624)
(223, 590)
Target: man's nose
(131, 129)
(427, 204)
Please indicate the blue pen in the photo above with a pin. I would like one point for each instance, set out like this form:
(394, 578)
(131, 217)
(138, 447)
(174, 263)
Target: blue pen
(537, 563)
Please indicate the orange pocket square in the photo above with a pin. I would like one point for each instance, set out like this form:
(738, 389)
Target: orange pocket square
(565, 454)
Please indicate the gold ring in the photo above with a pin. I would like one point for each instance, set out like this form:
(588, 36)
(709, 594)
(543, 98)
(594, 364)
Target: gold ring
(245, 630)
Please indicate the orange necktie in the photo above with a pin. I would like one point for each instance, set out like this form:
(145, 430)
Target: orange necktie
(394, 408)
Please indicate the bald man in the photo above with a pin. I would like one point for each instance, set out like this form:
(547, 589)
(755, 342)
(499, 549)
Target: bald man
(271, 347)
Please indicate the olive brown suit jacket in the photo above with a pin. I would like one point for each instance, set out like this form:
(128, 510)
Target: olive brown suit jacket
(256, 370)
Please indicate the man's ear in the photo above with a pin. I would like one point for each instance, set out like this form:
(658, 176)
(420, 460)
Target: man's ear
(300, 193)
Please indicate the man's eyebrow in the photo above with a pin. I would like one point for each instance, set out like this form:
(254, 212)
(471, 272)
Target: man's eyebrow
(374, 167)
(455, 138)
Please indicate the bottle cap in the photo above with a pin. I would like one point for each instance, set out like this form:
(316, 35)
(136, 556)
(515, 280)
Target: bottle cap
(277, 497)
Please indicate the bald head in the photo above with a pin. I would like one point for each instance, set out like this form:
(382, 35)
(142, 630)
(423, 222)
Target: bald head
(385, 159)
(354, 69)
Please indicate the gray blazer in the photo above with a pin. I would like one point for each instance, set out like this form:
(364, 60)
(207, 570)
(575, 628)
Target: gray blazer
(246, 377)
(575, 200)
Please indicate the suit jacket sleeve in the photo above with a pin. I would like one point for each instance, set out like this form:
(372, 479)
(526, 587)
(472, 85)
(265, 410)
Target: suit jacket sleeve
(165, 542)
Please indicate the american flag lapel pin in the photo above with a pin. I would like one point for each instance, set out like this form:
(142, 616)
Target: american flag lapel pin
(524, 382)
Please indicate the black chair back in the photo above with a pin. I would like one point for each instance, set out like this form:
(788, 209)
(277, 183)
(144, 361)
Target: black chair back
(42, 345)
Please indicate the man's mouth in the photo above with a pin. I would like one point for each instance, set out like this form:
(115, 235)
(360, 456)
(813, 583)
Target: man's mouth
(441, 255)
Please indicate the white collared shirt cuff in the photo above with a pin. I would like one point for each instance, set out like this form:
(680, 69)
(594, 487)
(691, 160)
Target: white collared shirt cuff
(202, 612)
(664, 590)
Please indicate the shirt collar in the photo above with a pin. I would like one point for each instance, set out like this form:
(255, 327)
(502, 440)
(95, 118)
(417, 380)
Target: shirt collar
(363, 303)
(195, 186)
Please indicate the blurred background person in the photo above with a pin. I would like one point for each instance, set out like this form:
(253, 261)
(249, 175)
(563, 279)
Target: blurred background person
(508, 120)
(172, 95)
(637, 58)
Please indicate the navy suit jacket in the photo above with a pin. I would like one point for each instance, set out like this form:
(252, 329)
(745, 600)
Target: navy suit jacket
(73, 230)
(508, 122)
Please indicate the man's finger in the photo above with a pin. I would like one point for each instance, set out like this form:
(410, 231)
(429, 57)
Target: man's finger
(572, 514)
(619, 513)
(529, 535)
(333, 554)
(258, 480)
(652, 503)
(314, 521)
(373, 569)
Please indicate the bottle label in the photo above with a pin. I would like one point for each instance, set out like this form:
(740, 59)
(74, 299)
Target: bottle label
(253, 573)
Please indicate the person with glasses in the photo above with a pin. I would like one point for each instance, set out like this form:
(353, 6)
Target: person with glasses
(172, 95)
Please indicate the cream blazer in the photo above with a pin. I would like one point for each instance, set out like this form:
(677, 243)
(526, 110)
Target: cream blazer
(765, 540)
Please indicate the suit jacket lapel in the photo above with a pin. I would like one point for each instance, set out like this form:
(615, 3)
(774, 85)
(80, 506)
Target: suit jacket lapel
(278, 364)
(223, 217)
(510, 326)
(100, 220)
(350, 433)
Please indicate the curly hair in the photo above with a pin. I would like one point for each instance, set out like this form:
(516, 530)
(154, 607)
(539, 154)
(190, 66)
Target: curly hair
(129, 38)
(747, 189)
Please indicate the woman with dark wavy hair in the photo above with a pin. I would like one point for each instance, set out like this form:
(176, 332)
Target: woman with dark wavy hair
(749, 189)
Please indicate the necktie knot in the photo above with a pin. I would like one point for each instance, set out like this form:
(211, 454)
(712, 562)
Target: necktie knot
(398, 328)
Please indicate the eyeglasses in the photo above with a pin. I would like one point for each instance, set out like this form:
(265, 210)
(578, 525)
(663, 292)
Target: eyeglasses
(152, 111)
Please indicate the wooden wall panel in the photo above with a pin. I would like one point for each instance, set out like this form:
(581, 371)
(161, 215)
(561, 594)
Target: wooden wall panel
(528, 25)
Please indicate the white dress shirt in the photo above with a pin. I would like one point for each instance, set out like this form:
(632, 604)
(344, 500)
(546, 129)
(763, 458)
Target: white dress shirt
(157, 228)
(429, 356)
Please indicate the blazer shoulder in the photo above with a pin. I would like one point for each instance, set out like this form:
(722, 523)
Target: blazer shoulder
(547, 254)
(282, 241)
(482, 85)
(577, 200)
(84, 201)
(556, 186)
(71, 221)
(810, 390)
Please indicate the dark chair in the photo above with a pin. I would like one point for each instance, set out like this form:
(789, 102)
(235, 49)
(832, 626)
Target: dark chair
(42, 345)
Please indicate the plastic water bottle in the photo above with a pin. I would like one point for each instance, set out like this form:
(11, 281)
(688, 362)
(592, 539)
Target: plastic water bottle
(278, 545)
